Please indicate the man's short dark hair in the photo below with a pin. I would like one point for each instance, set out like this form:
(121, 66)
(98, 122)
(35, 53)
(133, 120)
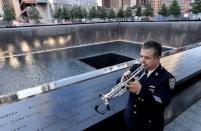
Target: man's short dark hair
(154, 45)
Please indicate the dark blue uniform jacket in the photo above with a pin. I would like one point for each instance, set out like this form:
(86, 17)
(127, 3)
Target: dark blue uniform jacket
(145, 111)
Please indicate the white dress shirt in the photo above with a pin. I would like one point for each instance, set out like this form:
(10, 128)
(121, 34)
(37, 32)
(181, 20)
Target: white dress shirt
(149, 72)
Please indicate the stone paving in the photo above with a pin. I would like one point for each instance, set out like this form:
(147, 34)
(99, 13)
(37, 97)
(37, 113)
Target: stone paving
(189, 120)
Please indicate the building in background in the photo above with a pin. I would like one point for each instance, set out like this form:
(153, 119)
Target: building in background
(107, 3)
(48, 7)
(16, 7)
(12, 4)
(142, 2)
(25, 6)
(82, 3)
(54, 4)
(99, 3)
(133, 3)
(1, 9)
(117, 4)
(126, 3)
(156, 6)
(186, 6)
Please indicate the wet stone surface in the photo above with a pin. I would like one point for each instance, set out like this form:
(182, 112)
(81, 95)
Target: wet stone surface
(32, 70)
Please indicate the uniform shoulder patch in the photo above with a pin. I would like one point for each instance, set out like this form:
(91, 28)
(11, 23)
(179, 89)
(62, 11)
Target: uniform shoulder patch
(172, 82)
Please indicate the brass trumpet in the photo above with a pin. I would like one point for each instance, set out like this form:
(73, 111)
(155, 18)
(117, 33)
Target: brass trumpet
(120, 88)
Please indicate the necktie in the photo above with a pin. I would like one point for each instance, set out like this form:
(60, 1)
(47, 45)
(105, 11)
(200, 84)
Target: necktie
(146, 73)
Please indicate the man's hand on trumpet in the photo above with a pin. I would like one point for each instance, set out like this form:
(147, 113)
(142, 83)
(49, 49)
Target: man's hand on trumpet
(134, 86)
(125, 76)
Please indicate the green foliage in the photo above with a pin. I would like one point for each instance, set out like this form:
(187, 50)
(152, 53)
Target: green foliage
(98, 12)
(128, 12)
(196, 7)
(65, 14)
(103, 13)
(163, 11)
(9, 14)
(174, 8)
(111, 13)
(148, 10)
(77, 13)
(120, 13)
(34, 14)
(84, 12)
(93, 13)
(74, 13)
(58, 13)
(138, 11)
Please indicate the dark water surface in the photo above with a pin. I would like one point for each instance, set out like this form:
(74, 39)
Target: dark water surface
(32, 70)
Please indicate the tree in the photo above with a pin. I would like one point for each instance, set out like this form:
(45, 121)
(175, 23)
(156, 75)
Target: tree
(196, 7)
(111, 13)
(138, 11)
(120, 13)
(78, 13)
(93, 13)
(84, 12)
(174, 8)
(103, 13)
(58, 14)
(34, 14)
(163, 11)
(74, 11)
(98, 11)
(66, 14)
(9, 15)
(148, 10)
(128, 12)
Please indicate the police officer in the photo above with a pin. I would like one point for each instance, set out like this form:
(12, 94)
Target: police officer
(150, 95)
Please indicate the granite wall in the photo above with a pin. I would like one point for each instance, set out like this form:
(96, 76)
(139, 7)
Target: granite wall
(29, 39)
